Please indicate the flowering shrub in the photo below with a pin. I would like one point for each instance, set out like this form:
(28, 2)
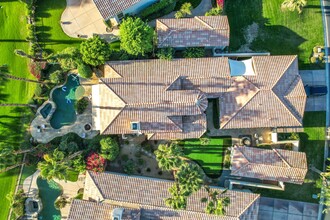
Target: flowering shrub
(36, 67)
(221, 3)
(95, 162)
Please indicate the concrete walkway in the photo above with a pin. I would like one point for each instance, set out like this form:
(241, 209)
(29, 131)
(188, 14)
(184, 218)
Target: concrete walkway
(70, 190)
(314, 77)
(30, 185)
(81, 17)
(275, 209)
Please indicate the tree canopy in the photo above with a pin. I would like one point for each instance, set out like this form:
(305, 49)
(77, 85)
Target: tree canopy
(69, 58)
(95, 51)
(190, 178)
(53, 166)
(136, 36)
(169, 157)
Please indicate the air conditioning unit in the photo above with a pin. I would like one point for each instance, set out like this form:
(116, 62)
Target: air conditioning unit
(117, 213)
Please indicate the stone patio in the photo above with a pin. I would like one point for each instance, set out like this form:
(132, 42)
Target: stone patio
(42, 131)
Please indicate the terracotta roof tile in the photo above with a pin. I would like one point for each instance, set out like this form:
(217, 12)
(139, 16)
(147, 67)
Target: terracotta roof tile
(275, 164)
(200, 31)
(110, 8)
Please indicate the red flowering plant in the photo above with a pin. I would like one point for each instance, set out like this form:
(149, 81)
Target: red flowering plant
(95, 162)
(220, 3)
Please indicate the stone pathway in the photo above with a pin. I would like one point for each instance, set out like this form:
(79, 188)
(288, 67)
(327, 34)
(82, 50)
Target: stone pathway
(70, 190)
(30, 185)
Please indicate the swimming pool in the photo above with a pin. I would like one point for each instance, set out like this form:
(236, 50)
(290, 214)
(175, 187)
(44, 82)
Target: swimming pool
(48, 192)
(46, 110)
(65, 99)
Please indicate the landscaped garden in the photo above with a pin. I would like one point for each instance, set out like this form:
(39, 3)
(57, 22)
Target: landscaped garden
(312, 143)
(263, 26)
(209, 153)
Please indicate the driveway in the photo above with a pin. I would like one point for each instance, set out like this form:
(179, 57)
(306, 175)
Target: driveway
(82, 18)
(280, 209)
(314, 77)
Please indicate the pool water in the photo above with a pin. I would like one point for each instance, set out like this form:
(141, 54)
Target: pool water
(46, 110)
(65, 99)
(48, 192)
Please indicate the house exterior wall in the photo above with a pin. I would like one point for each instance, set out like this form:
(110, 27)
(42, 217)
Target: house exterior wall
(139, 6)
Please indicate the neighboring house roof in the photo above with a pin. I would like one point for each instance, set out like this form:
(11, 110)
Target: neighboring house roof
(168, 98)
(275, 164)
(87, 210)
(199, 31)
(149, 195)
(110, 8)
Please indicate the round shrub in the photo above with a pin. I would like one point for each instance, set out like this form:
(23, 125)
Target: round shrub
(69, 58)
(194, 52)
(129, 167)
(166, 53)
(57, 77)
(109, 148)
(95, 51)
(81, 105)
(148, 170)
(313, 60)
(85, 71)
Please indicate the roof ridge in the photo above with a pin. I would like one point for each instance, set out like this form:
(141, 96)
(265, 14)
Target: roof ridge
(167, 36)
(281, 157)
(285, 107)
(98, 189)
(169, 117)
(290, 63)
(112, 90)
(204, 22)
(240, 109)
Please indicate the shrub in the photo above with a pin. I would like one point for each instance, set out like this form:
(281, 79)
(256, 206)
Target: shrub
(214, 11)
(57, 77)
(81, 105)
(79, 164)
(165, 53)
(160, 173)
(129, 167)
(141, 162)
(186, 8)
(109, 148)
(179, 14)
(124, 157)
(95, 51)
(194, 52)
(17, 202)
(85, 71)
(294, 136)
(158, 9)
(136, 36)
(148, 170)
(204, 141)
(69, 58)
(313, 60)
(95, 162)
(138, 154)
(60, 203)
(315, 49)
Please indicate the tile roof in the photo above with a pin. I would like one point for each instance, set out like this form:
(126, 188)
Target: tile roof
(273, 97)
(165, 96)
(274, 164)
(110, 8)
(199, 31)
(150, 193)
(87, 210)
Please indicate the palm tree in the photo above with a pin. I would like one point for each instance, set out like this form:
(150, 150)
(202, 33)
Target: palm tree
(8, 159)
(53, 166)
(190, 178)
(177, 201)
(294, 5)
(216, 202)
(4, 74)
(169, 157)
(21, 53)
(17, 105)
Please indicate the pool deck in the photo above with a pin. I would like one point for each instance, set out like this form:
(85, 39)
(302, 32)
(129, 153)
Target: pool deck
(42, 131)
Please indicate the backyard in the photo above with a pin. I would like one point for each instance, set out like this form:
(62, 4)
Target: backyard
(263, 26)
(312, 143)
(209, 155)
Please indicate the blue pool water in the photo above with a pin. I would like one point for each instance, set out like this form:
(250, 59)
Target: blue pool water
(46, 110)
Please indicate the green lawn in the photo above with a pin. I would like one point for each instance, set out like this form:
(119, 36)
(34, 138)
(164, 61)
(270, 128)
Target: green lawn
(312, 143)
(7, 183)
(210, 156)
(27, 171)
(279, 32)
(50, 33)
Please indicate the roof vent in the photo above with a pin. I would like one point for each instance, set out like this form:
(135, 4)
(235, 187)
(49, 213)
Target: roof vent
(117, 213)
(135, 126)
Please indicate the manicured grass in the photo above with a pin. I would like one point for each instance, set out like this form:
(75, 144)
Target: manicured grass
(280, 32)
(50, 33)
(209, 157)
(312, 143)
(73, 175)
(7, 183)
(27, 171)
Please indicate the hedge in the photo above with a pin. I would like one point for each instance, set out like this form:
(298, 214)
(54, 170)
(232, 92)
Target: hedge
(156, 10)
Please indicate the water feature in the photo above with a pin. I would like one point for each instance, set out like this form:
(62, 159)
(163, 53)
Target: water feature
(46, 110)
(65, 98)
(48, 192)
